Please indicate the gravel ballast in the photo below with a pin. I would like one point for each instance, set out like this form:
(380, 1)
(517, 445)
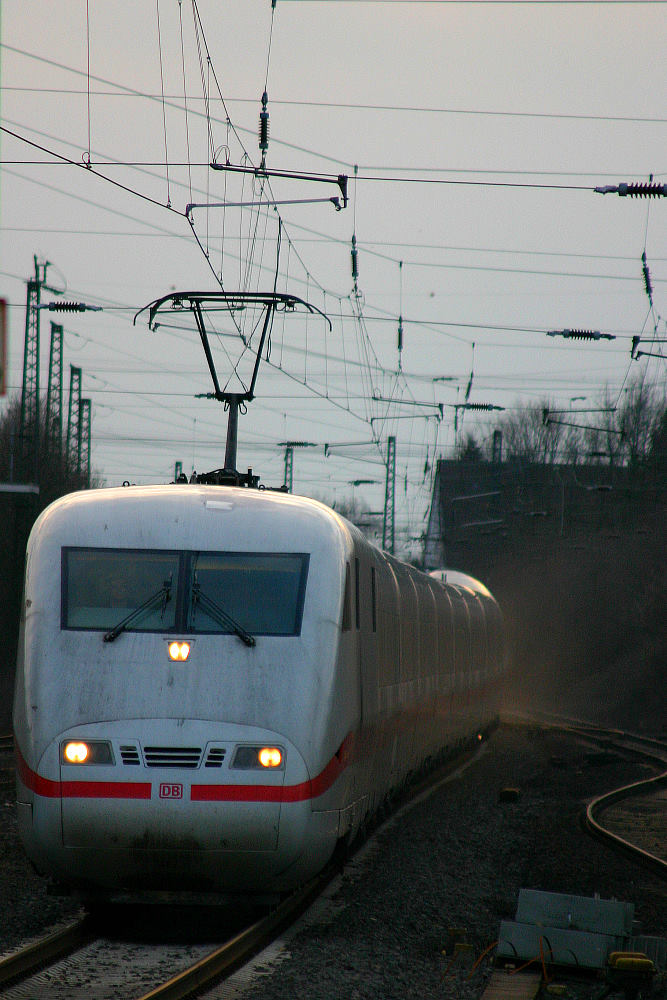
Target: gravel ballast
(457, 859)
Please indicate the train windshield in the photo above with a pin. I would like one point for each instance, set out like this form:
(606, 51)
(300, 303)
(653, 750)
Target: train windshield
(101, 587)
(261, 593)
(199, 592)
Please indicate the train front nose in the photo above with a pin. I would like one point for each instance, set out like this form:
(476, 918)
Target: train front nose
(162, 804)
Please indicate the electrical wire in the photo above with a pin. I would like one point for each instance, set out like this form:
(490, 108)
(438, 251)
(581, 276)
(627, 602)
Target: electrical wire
(499, 3)
(164, 113)
(90, 169)
(88, 71)
(256, 221)
(185, 97)
(347, 106)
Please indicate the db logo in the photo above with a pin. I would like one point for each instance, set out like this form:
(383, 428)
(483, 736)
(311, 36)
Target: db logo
(171, 791)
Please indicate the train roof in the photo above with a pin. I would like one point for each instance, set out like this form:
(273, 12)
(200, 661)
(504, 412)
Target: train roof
(456, 578)
(187, 505)
(183, 509)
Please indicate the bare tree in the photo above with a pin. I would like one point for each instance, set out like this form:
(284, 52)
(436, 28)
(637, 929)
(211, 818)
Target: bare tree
(529, 437)
(640, 415)
(54, 468)
(628, 425)
(658, 452)
(470, 449)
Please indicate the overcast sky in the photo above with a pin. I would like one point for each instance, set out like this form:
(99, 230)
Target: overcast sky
(478, 131)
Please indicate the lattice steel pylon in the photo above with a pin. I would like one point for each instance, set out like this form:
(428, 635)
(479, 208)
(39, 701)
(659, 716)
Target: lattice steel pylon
(54, 395)
(29, 431)
(74, 420)
(29, 427)
(289, 446)
(289, 468)
(83, 450)
(389, 493)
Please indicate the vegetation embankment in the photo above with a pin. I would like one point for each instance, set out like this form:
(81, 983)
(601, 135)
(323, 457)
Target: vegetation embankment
(587, 630)
(586, 605)
(35, 469)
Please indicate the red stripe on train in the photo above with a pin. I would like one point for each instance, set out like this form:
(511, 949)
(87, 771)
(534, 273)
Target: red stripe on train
(310, 789)
(278, 793)
(50, 789)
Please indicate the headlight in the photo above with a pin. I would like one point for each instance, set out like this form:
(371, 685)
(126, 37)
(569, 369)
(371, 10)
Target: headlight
(178, 650)
(87, 752)
(270, 757)
(258, 758)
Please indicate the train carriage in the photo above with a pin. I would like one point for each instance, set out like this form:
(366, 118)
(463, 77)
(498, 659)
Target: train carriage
(216, 685)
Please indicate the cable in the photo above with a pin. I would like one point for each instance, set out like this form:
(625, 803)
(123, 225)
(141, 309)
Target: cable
(499, 3)
(88, 70)
(346, 106)
(459, 183)
(89, 168)
(254, 233)
(432, 264)
(185, 98)
(164, 114)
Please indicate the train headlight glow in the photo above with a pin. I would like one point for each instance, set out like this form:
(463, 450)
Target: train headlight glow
(76, 753)
(87, 752)
(248, 758)
(270, 757)
(178, 651)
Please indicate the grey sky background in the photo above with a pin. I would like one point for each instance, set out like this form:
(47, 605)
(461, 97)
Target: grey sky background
(530, 104)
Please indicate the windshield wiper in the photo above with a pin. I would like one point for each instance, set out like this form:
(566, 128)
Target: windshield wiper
(164, 594)
(214, 611)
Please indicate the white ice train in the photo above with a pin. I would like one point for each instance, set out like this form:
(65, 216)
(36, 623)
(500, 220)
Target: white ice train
(216, 685)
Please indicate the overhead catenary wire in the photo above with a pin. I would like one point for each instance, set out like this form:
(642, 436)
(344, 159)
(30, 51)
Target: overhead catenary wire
(373, 178)
(414, 263)
(339, 300)
(185, 95)
(88, 71)
(90, 169)
(131, 92)
(164, 113)
(332, 105)
(497, 3)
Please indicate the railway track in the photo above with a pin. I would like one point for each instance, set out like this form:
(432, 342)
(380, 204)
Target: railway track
(81, 960)
(170, 971)
(7, 779)
(61, 962)
(633, 817)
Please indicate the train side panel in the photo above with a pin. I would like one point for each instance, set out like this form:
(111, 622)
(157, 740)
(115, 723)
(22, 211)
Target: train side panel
(428, 672)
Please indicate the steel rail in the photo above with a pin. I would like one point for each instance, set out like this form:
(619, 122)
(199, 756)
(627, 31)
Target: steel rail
(603, 802)
(240, 949)
(27, 961)
(7, 775)
(646, 747)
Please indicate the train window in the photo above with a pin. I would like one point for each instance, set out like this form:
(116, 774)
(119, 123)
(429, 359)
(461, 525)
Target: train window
(373, 600)
(101, 587)
(346, 623)
(357, 607)
(164, 591)
(262, 592)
